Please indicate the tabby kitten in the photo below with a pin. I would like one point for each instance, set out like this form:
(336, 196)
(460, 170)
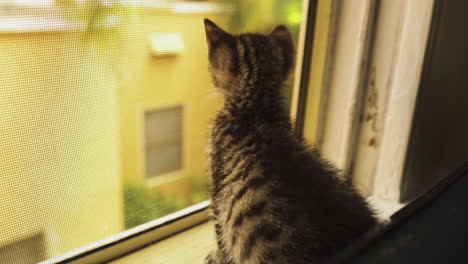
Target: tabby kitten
(274, 199)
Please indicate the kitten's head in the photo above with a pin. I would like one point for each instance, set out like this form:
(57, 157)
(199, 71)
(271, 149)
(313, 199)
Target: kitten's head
(249, 61)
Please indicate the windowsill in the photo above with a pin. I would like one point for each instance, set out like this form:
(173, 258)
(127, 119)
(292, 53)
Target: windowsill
(384, 208)
(193, 244)
(189, 246)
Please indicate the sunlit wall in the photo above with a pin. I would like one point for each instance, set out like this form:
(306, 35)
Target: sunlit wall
(71, 123)
(59, 142)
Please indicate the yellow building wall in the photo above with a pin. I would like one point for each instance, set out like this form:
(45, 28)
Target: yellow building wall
(59, 163)
(71, 124)
(162, 81)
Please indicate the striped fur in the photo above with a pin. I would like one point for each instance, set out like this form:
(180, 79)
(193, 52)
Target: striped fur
(274, 199)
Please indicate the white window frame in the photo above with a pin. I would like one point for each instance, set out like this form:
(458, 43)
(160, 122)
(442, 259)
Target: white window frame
(375, 65)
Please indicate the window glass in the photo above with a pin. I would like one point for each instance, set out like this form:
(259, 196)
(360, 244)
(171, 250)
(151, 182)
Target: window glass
(438, 142)
(163, 141)
(104, 113)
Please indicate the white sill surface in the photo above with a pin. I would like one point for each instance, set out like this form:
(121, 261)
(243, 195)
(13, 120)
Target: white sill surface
(189, 246)
(384, 209)
(192, 245)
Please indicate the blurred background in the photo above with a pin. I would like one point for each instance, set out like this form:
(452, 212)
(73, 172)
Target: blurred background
(104, 113)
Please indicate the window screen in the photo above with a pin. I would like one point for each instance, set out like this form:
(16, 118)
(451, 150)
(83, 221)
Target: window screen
(78, 143)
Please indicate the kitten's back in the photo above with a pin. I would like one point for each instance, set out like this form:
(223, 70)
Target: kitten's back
(274, 198)
(280, 201)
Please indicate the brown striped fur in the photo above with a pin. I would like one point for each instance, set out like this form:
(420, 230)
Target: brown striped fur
(274, 199)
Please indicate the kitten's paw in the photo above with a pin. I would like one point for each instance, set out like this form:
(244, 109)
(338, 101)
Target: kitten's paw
(211, 258)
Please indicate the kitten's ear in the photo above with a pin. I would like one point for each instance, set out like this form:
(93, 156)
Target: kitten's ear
(282, 33)
(214, 34)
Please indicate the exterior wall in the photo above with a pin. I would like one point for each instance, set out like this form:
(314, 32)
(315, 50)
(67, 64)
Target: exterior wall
(71, 124)
(59, 170)
(162, 81)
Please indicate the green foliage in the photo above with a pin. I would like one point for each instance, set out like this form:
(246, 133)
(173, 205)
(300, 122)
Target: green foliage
(112, 34)
(199, 189)
(143, 204)
(108, 21)
(249, 15)
(290, 14)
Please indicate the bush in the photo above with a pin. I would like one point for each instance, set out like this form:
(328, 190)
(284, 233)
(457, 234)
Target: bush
(143, 204)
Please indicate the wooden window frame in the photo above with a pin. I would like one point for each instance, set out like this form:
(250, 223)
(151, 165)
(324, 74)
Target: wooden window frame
(375, 61)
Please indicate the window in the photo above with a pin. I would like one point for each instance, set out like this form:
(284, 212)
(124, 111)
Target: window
(438, 141)
(386, 97)
(88, 154)
(85, 153)
(163, 141)
(31, 250)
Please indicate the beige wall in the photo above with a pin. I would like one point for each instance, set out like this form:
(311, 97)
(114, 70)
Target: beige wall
(71, 124)
(162, 81)
(59, 169)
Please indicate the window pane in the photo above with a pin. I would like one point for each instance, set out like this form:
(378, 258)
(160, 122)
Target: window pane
(104, 113)
(438, 142)
(163, 141)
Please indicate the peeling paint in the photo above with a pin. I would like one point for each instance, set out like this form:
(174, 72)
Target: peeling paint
(372, 101)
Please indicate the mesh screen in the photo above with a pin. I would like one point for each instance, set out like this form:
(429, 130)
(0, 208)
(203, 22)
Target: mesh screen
(76, 79)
